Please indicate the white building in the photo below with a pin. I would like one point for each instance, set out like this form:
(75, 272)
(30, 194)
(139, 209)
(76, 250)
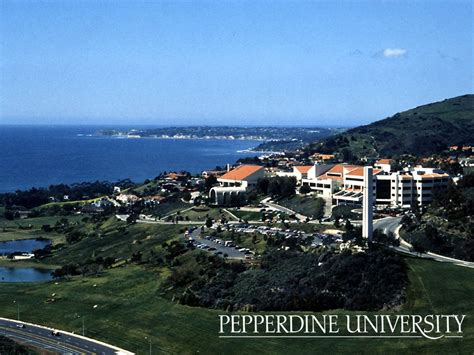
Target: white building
(127, 199)
(325, 179)
(344, 184)
(299, 172)
(353, 184)
(235, 184)
(384, 165)
(410, 187)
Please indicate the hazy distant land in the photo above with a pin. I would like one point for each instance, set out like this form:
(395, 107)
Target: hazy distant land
(273, 138)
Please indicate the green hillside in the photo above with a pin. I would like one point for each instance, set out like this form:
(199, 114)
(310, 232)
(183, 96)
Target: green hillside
(423, 130)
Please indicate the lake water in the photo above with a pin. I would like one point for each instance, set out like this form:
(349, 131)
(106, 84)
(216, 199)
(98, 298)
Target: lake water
(24, 274)
(40, 156)
(24, 246)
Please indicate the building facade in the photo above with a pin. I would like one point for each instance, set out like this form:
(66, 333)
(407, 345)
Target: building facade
(235, 184)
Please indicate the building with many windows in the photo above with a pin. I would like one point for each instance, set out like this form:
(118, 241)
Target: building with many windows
(344, 183)
(410, 187)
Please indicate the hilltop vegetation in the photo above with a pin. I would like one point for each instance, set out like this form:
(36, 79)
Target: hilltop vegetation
(291, 281)
(423, 130)
(447, 226)
(9, 347)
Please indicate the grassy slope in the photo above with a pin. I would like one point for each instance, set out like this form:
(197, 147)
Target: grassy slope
(139, 237)
(130, 307)
(247, 215)
(423, 130)
(31, 228)
(306, 205)
(199, 214)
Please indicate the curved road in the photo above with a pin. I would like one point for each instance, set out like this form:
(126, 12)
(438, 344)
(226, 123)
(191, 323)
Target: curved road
(392, 224)
(66, 343)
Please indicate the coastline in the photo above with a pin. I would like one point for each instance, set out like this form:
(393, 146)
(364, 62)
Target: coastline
(230, 138)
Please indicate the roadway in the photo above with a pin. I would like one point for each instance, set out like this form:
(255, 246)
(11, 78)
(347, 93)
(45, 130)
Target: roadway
(66, 343)
(392, 225)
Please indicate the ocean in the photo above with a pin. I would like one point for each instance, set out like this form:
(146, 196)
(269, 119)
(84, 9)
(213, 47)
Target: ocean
(39, 156)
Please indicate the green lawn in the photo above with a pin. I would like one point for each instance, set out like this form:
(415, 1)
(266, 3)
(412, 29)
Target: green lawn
(74, 202)
(27, 263)
(30, 228)
(37, 222)
(306, 205)
(113, 241)
(247, 215)
(129, 307)
(170, 208)
(201, 213)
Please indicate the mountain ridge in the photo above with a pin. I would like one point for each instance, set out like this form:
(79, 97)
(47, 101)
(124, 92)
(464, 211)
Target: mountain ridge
(423, 130)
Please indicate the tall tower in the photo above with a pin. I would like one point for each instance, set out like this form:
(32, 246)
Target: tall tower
(367, 204)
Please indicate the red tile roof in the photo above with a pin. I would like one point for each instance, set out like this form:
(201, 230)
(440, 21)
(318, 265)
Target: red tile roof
(384, 161)
(359, 171)
(336, 172)
(303, 169)
(241, 172)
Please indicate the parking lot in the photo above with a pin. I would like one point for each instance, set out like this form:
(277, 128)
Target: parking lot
(231, 251)
(217, 247)
(316, 238)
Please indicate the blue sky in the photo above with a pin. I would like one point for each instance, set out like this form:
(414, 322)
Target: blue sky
(262, 62)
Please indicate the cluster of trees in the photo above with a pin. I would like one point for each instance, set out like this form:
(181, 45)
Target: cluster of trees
(447, 227)
(89, 267)
(35, 197)
(292, 281)
(8, 346)
(280, 186)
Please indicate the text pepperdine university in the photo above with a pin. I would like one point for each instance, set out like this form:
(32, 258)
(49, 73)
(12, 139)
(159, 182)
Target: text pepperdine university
(429, 326)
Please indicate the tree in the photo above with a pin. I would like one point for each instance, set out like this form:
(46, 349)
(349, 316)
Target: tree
(320, 203)
(9, 215)
(74, 237)
(136, 257)
(262, 185)
(305, 189)
(282, 186)
(418, 247)
(132, 218)
(347, 155)
(187, 196)
(210, 181)
(208, 222)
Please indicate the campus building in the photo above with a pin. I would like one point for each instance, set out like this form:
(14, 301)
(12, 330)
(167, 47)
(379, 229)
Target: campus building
(410, 187)
(344, 183)
(234, 185)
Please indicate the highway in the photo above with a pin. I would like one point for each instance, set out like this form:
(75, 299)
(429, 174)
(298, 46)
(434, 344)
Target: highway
(65, 343)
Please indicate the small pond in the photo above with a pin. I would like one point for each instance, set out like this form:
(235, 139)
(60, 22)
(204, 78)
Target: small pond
(24, 274)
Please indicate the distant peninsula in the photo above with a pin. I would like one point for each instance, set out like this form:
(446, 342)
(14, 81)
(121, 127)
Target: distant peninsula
(273, 138)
